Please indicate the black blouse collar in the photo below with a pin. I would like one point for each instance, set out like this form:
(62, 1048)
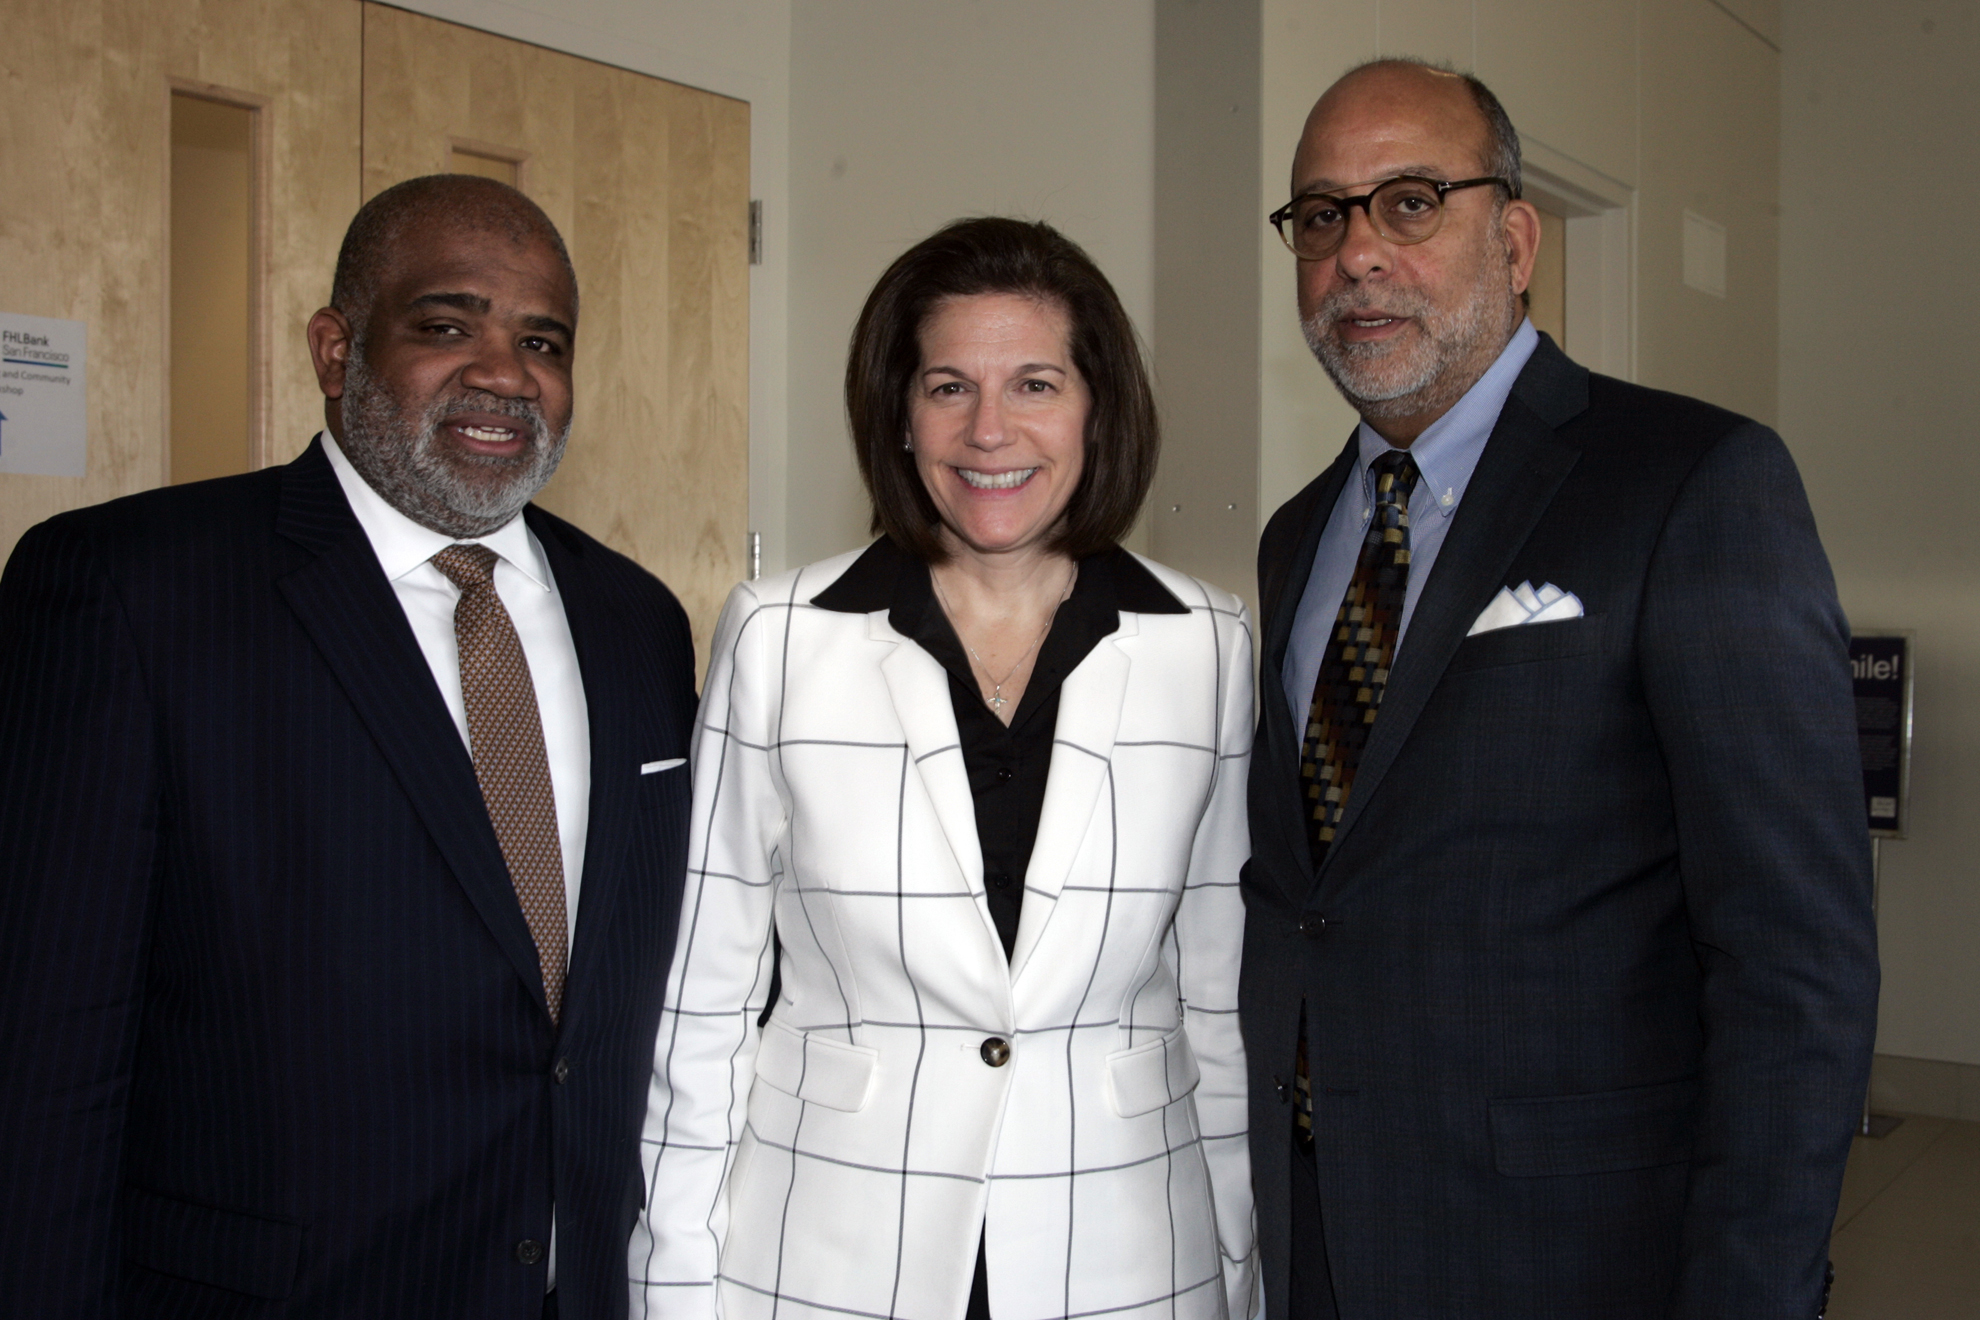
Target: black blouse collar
(888, 578)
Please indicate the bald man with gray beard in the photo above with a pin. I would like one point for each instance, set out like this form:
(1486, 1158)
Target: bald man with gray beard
(1559, 976)
(342, 836)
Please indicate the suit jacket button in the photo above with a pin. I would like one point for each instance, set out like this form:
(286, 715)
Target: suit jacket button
(1312, 925)
(561, 1071)
(529, 1251)
(996, 1051)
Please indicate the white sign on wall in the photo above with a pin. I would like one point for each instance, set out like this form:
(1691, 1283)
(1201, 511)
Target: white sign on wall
(44, 409)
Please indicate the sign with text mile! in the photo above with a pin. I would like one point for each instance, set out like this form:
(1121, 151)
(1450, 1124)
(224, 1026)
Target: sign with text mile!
(44, 408)
(1880, 667)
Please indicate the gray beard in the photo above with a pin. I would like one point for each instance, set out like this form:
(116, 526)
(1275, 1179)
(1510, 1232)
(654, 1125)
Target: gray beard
(1385, 381)
(398, 454)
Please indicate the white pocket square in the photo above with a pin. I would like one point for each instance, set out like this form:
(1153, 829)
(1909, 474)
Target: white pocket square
(655, 767)
(1522, 604)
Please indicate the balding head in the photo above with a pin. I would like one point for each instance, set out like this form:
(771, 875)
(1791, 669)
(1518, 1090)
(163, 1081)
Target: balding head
(465, 203)
(1395, 85)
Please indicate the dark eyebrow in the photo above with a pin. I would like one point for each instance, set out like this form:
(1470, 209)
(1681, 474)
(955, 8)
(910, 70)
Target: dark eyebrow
(476, 305)
(1330, 188)
(1020, 371)
(549, 325)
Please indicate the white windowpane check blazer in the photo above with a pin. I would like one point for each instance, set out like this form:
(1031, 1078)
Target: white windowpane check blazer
(844, 1159)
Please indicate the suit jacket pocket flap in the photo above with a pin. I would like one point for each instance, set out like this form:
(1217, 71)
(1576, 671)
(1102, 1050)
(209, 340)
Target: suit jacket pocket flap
(1149, 1076)
(1637, 1128)
(224, 1248)
(826, 1072)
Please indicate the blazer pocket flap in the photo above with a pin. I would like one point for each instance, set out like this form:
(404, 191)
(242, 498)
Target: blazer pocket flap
(1527, 643)
(242, 1253)
(826, 1072)
(1638, 1128)
(1150, 1076)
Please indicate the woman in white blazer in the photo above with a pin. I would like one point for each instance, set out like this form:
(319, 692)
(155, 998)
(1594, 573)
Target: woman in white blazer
(951, 1026)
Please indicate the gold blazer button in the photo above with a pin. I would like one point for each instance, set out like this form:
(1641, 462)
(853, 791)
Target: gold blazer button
(996, 1051)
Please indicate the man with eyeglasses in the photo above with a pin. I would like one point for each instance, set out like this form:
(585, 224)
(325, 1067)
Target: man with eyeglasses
(1560, 981)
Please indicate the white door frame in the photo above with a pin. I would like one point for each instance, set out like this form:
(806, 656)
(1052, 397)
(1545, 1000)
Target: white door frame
(1601, 292)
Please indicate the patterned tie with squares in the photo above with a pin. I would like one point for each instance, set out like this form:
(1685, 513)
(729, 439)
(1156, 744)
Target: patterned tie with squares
(1348, 692)
(505, 732)
(1355, 669)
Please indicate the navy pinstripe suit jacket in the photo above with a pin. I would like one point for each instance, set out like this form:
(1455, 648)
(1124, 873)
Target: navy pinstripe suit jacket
(275, 1032)
(1589, 966)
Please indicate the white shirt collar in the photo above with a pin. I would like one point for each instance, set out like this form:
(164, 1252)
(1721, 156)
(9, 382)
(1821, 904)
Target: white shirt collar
(402, 545)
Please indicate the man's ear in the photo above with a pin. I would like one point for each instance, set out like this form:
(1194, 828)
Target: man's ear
(330, 337)
(1521, 223)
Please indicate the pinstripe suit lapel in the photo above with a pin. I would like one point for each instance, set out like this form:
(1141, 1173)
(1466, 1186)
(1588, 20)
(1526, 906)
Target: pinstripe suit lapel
(1082, 753)
(920, 688)
(347, 607)
(611, 689)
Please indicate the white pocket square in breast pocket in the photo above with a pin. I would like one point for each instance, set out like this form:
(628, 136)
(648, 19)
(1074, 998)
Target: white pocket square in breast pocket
(1522, 604)
(655, 767)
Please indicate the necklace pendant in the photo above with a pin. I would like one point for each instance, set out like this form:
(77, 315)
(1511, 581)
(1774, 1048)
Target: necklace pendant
(997, 701)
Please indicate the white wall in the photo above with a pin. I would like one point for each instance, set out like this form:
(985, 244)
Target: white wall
(1880, 220)
(906, 114)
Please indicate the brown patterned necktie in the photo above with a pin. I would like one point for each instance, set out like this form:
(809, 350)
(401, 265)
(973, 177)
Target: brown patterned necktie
(1355, 671)
(505, 731)
(1348, 692)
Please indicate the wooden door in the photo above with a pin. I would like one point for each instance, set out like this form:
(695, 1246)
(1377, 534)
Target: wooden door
(649, 183)
(85, 89)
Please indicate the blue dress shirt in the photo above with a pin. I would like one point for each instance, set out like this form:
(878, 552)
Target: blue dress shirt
(1446, 453)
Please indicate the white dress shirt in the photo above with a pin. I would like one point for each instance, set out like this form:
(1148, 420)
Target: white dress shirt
(522, 579)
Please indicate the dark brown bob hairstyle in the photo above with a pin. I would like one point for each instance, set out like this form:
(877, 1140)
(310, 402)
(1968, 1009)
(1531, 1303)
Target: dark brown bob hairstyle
(995, 254)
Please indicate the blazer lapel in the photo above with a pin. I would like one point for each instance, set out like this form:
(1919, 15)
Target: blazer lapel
(1279, 734)
(610, 694)
(920, 690)
(1522, 467)
(1082, 757)
(350, 612)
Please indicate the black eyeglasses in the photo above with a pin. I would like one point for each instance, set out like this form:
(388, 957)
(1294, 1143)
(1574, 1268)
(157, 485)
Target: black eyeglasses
(1406, 209)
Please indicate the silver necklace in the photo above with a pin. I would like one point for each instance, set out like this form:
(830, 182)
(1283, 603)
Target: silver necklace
(997, 700)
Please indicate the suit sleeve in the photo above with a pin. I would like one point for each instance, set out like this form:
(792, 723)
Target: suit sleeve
(1745, 667)
(705, 1056)
(79, 824)
(1209, 930)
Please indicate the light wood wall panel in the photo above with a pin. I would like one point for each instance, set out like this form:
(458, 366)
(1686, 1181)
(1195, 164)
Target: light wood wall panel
(649, 183)
(85, 88)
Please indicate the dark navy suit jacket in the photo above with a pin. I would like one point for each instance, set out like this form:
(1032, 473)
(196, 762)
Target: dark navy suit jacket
(1589, 965)
(274, 1025)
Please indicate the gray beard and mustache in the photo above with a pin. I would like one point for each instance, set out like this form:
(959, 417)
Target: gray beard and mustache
(1417, 374)
(399, 455)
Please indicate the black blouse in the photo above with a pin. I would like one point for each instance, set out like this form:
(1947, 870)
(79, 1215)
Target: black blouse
(1007, 766)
